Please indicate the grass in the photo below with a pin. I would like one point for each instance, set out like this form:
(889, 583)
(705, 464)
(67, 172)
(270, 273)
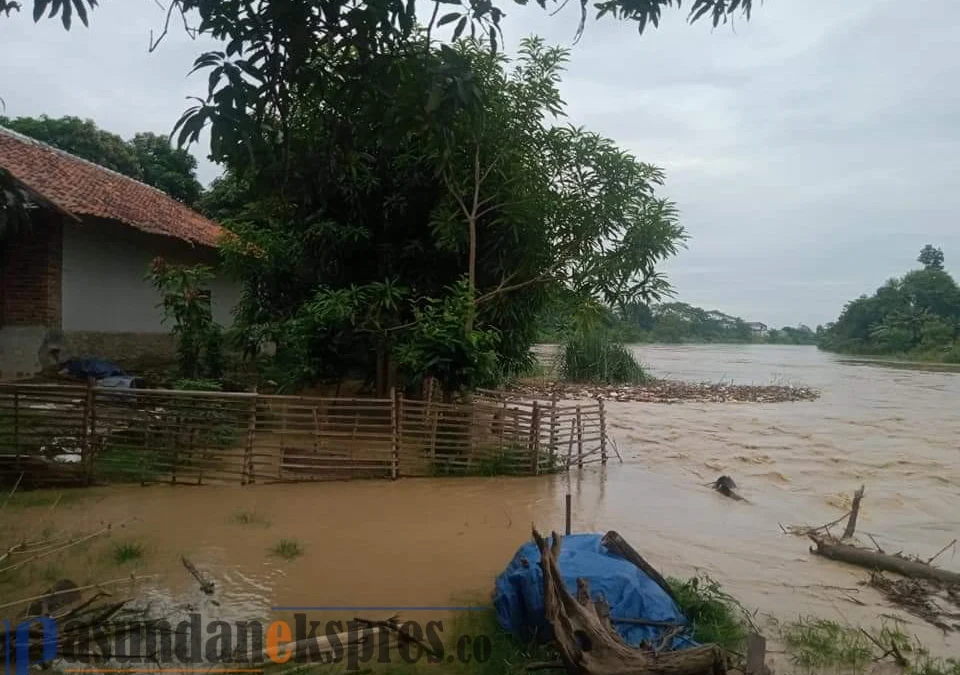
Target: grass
(125, 552)
(288, 549)
(815, 643)
(714, 615)
(598, 359)
(506, 656)
(249, 518)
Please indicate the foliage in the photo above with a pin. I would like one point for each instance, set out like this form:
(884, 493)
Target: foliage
(714, 615)
(342, 24)
(917, 315)
(186, 303)
(127, 552)
(456, 220)
(931, 258)
(672, 322)
(288, 549)
(172, 170)
(62, 8)
(146, 157)
(595, 357)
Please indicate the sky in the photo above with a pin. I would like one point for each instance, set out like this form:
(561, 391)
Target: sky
(812, 151)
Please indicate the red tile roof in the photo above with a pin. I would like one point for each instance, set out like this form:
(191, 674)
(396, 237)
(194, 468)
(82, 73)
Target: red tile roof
(83, 188)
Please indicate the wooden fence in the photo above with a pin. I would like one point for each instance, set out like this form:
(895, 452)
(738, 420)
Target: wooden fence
(54, 435)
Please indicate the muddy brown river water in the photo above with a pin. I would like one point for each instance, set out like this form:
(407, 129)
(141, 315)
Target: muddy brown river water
(436, 541)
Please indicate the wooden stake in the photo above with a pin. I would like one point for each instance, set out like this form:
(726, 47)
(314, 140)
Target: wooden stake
(567, 511)
(579, 440)
(603, 432)
(248, 469)
(395, 438)
(854, 512)
(535, 438)
(553, 430)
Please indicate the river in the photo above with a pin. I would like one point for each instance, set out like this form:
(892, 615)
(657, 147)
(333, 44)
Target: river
(428, 541)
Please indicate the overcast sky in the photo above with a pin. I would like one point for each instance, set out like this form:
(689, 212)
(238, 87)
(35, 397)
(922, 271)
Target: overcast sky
(812, 152)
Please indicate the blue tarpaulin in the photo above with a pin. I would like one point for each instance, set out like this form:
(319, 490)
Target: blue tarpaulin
(518, 595)
(87, 366)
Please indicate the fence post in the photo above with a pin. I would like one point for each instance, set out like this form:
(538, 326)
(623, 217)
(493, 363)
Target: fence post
(248, 475)
(603, 432)
(395, 403)
(89, 429)
(16, 426)
(553, 431)
(535, 437)
(573, 425)
(579, 439)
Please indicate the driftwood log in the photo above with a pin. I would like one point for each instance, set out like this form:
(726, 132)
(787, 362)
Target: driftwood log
(588, 644)
(875, 560)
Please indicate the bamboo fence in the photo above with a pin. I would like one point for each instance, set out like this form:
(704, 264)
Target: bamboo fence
(55, 435)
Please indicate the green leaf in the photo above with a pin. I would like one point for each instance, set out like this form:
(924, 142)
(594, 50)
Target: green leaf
(448, 18)
(39, 7)
(458, 31)
(81, 11)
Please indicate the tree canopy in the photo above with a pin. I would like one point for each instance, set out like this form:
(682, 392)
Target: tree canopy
(148, 157)
(916, 315)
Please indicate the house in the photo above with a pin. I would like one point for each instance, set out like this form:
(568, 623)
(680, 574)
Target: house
(757, 329)
(72, 282)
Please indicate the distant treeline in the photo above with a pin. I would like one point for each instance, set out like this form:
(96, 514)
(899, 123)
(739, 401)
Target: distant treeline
(916, 316)
(673, 322)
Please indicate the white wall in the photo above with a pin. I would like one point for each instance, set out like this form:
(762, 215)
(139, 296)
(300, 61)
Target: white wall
(103, 285)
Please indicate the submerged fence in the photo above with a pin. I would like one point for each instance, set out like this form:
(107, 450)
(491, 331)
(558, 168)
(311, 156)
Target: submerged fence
(55, 435)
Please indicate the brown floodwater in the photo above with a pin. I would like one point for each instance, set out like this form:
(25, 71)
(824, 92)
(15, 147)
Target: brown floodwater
(433, 542)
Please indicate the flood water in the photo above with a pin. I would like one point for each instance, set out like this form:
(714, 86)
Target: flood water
(436, 541)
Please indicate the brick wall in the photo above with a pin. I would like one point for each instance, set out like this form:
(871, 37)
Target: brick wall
(30, 278)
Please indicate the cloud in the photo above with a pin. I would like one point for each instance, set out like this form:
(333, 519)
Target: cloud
(812, 151)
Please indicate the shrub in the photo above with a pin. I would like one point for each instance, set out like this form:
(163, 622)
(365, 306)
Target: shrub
(595, 357)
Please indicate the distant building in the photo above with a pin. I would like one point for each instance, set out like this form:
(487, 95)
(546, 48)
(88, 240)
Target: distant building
(758, 329)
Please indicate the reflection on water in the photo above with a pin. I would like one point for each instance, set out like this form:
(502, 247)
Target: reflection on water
(430, 541)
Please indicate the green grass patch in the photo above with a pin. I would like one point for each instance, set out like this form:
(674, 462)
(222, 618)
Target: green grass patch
(815, 643)
(599, 359)
(249, 517)
(288, 549)
(128, 551)
(714, 615)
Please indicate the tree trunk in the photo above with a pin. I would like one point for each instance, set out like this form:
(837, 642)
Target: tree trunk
(874, 560)
(588, 644)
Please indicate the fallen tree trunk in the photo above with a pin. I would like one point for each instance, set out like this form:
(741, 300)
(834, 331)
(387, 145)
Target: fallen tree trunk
(617, 544)
(587, 643)
(874, 560)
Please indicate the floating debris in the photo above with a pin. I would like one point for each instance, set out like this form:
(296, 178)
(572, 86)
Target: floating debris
(669, 391)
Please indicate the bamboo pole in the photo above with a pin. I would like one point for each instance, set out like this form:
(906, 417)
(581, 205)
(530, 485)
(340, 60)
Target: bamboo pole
(535, 438)
(579, 440)
(248, 468)
(603, 432)
(395, 438)
(16, 426)
(553, 430)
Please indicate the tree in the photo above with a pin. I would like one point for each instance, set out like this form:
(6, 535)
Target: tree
(931, 258)
(81, 138)
(167, 168)
(913, 314)
(146, 157)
